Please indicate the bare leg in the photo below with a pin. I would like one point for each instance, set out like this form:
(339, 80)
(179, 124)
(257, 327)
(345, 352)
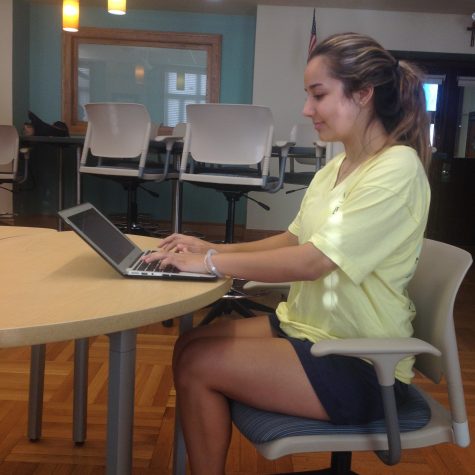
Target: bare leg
(261, 371)
(256, 327)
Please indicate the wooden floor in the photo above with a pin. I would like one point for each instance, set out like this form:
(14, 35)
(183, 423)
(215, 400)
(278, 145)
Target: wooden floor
(155, 409)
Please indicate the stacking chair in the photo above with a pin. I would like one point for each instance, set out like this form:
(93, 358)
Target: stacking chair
(116, 146)
(228, 147)
(421, 421)
(308, 149)
(12, 168)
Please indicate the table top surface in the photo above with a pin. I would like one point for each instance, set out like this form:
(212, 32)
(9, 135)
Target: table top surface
(54, 287)
(158, 146)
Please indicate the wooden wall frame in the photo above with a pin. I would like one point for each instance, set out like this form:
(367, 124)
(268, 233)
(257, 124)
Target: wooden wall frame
(70, 41)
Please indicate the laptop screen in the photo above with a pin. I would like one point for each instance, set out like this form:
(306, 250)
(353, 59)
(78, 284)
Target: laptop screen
(103, 234)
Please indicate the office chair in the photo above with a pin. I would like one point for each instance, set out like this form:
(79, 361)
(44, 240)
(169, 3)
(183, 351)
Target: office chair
(13, 160)
(421, 421)
(228, 147)
(116, 146)
(308, 149)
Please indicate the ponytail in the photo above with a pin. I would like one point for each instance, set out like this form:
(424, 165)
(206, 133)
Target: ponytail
(358, 61)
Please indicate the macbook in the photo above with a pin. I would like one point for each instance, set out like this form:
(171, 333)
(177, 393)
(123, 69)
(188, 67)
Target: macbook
(116, 248)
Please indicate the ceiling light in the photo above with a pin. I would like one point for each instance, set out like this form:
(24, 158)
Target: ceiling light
(116, 7)
(70, 15)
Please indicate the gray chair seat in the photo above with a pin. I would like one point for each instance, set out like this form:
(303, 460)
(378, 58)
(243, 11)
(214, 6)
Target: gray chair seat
(262, 426)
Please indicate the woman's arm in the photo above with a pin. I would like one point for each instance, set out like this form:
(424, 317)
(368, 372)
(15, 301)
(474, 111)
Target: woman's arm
(291, 263)
(180, 242)
(281, 264)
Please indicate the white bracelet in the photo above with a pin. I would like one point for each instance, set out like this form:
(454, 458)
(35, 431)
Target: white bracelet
(210, 267)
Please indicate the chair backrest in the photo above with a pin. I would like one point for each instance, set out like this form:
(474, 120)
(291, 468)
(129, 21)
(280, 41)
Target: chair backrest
(9, 143)
(304, 135)
(229, 134)
(117, 130)
(433, 289)
(180, 129)
(440, 271)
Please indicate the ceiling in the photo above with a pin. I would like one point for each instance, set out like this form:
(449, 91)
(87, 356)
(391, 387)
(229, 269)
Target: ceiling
(463, 7)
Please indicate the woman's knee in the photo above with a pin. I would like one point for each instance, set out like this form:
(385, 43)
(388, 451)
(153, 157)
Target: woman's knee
(190, 363)
(183, 341)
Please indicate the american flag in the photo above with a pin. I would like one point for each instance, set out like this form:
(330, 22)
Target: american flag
(313, 36)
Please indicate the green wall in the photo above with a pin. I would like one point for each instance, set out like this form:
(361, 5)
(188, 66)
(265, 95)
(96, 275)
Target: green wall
(44, 98)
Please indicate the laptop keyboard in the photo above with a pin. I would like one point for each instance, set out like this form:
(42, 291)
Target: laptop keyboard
(143, 266)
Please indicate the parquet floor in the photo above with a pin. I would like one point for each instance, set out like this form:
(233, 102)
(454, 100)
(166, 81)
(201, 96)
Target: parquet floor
(155, 408)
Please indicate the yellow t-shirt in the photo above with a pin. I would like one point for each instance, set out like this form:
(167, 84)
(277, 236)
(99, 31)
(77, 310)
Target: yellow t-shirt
(371, 225)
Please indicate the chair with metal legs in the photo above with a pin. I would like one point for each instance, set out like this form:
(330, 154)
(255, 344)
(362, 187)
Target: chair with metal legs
(116, 148)
(13, 160)
(228, 147)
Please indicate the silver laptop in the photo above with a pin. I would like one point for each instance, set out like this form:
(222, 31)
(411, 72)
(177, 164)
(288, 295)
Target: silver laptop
(116, 248)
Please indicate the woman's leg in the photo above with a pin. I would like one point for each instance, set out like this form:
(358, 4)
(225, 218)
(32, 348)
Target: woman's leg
(263, 372)
(255, 327)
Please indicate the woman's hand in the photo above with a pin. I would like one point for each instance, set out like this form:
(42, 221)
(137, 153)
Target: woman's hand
(184, 261)
(182, 243)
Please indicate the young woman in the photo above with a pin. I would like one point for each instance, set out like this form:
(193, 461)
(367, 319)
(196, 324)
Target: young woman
(350, 253)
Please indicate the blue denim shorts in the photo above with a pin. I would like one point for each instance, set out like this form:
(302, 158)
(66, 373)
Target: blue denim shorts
(346, 386)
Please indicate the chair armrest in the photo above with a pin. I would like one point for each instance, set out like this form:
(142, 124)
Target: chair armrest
(163, 138)
(169, 140)
(256, 286)
(384, 353)
(283, 151)
(284, 143)
(25, 152)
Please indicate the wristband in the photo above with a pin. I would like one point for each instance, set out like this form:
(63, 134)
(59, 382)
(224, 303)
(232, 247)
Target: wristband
(210, 267)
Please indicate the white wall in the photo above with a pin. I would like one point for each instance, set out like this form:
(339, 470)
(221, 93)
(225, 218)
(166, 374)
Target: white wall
(6, 103)
(282, 35)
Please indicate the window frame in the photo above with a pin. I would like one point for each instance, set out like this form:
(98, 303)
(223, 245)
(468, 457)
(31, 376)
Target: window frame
(211, 43)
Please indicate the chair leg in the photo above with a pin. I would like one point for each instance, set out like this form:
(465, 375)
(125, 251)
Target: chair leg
(232, 199)
(131, 208)
(234, 300)
(340, 465)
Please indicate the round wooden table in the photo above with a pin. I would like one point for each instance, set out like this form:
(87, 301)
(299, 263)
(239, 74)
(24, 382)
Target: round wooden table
(55, 287)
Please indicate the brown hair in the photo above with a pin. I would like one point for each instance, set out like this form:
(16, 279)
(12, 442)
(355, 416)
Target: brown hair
(358, 61)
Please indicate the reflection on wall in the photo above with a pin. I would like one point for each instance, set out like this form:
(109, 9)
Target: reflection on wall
(165, 80)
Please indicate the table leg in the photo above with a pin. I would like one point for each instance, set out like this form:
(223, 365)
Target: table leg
(78, 175)
(60, 186)
(35, 398)
(179, 448)
(81, 357)
(177, 193)
(120, 415)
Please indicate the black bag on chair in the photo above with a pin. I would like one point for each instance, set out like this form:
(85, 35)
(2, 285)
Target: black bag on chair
(57, 129)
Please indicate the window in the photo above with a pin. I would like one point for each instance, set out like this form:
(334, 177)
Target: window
(431, 90)
(163, 71)
(181, 89)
